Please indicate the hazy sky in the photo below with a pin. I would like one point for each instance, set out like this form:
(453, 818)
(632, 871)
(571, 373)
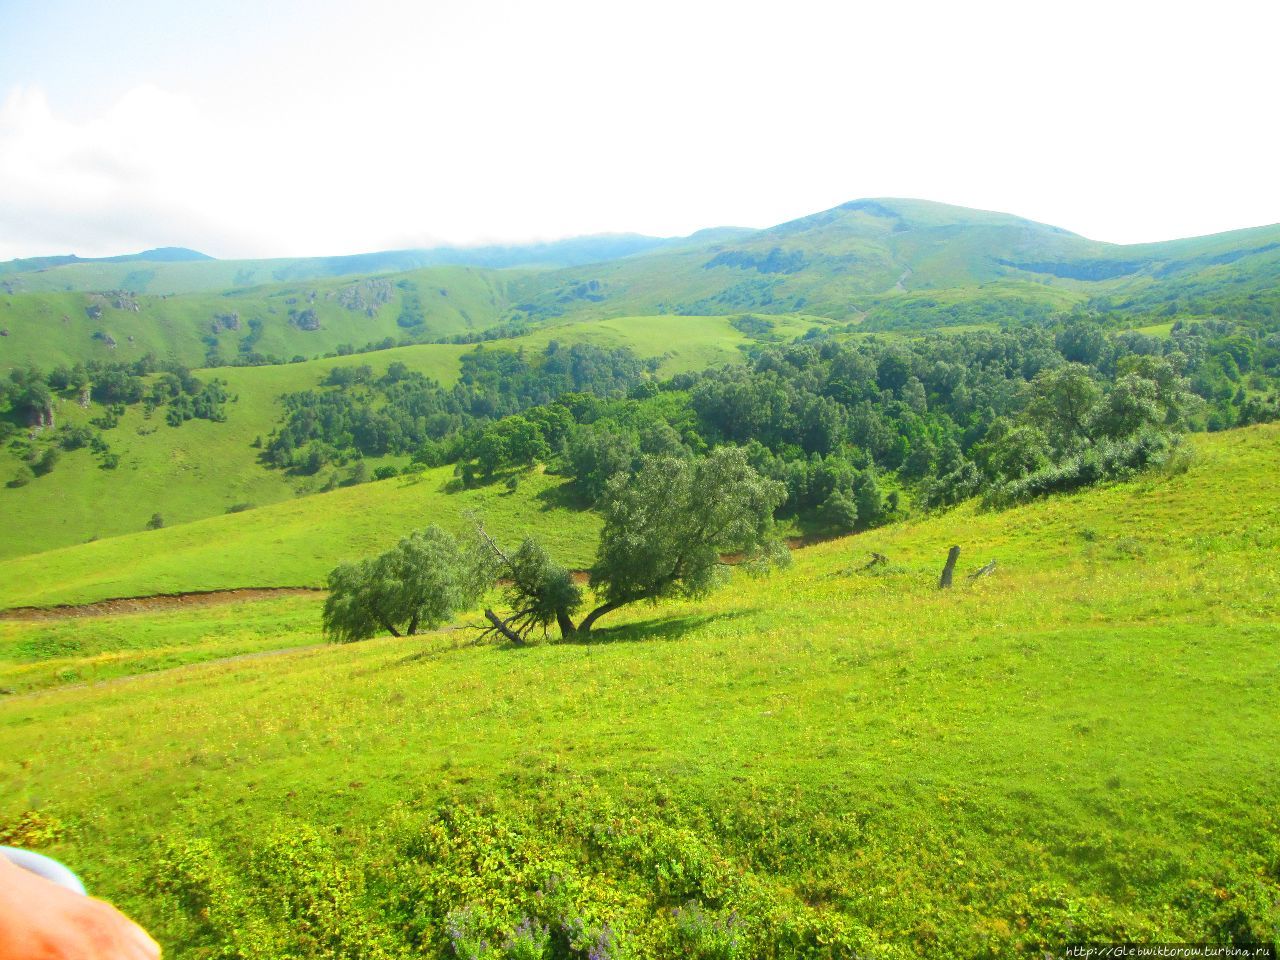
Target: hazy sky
(290, 128)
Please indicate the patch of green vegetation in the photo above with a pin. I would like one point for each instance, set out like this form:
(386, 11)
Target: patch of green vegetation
(272, 323)
(1076, 746)
(294, 543)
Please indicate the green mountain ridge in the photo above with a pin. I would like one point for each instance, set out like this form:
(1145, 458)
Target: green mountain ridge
(894, 263)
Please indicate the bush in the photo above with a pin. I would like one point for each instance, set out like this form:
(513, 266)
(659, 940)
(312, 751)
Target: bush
(385, 472)
(156, 522)
(1107, 460)
(46, 462)
(73, 437)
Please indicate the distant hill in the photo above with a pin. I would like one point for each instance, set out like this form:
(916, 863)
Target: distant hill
(179, 270)
(157, 255)
(885, 264)
(919, 263)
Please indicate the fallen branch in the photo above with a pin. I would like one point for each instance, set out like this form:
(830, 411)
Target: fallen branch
(876, 560)
(501, 627)
(983, 571)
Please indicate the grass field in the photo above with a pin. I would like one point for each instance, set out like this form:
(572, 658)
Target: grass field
(36, 655)
(294, 543)
(1078, 747)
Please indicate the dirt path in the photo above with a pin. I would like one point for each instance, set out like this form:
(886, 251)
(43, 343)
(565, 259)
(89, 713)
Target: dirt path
(155, 602)
(208, 598)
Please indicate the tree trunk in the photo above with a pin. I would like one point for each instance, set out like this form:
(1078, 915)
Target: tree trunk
(501, 626)
(394, 632)
(585, 626)
(952, 556)
(567, 629)
(413, 626)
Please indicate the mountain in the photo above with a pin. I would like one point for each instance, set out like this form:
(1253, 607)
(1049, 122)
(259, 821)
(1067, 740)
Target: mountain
(917, 262)
(882, 263)
(173, 270)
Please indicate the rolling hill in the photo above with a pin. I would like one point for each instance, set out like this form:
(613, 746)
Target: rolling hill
(172, 270)
(896, 266)
(832, 762)
(869, 254)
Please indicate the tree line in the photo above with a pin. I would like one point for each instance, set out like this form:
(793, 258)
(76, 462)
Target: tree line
(404, 411)
(852, 429)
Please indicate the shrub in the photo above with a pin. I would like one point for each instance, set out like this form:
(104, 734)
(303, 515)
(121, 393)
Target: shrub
(46, 462)
(1107, 460)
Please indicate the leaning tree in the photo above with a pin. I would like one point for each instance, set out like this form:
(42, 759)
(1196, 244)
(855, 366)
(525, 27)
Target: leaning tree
(419, 583)
(668, 529)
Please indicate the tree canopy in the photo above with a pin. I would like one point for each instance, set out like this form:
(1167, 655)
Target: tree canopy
(668, 526)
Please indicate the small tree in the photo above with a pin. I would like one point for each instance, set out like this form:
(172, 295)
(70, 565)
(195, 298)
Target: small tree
(420, 582)
(156, 522)
(45, 462)
(667, 526)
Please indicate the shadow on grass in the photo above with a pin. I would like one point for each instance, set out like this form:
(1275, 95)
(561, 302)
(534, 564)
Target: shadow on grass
(563, 496)
(663, 628)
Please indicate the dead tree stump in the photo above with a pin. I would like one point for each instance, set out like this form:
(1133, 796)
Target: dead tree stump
(949, 570)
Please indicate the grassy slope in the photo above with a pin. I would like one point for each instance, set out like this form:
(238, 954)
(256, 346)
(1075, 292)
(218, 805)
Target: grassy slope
(295, 543)
(872, 254)
(47, 329)
(37, 655)
(189, 472)
(1079, 747)
(202, 468)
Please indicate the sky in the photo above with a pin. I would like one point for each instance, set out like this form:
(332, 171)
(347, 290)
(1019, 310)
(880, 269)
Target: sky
(289, 128)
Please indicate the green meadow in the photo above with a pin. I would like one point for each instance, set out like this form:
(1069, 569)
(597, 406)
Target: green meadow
(834, 761)
(297, 542)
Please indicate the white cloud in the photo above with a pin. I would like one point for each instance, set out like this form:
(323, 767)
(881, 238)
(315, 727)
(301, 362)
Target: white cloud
(330, 129)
